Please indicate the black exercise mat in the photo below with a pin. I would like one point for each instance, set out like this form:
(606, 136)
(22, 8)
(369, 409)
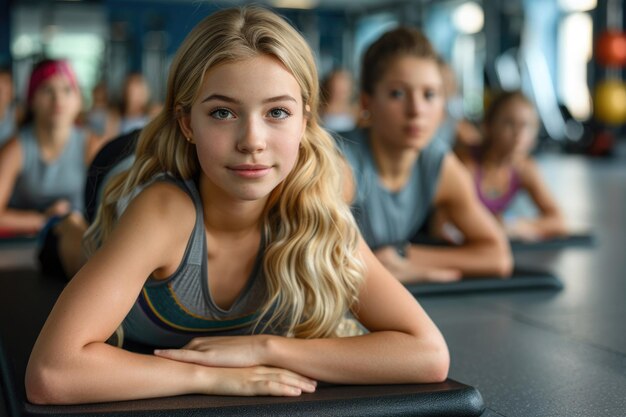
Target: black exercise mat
(26, 302)
(578, 240)
(8, 240)
(520, 279)
(446, 399)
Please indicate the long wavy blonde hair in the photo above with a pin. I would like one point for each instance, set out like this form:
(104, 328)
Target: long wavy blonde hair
(311, 263)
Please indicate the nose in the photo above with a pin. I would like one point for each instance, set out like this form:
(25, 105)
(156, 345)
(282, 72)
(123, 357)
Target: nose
(57, 97)
(252, 137)
(518, 130)
(413, 104)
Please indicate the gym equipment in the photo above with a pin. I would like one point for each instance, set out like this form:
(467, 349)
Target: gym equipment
(26, 302)
(520, 279)
(610, 102)
(611, 48)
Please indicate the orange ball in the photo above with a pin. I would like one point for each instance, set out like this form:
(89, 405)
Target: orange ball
(610, 102)
(611, 49)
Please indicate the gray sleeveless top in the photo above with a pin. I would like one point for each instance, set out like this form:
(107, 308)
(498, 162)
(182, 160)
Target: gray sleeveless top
(40, 183)
(7, 124)
(169, 313)
(388, 218)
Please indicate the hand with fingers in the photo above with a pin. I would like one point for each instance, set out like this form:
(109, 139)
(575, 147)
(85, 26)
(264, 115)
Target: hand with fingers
(228, 351)
(238, 360)
(258, 380)
(406, 271)
(58, 208)
(523, 229)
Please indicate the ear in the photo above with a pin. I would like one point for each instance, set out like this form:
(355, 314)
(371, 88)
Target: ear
(184, 121)
(364, 101)
(306, 118)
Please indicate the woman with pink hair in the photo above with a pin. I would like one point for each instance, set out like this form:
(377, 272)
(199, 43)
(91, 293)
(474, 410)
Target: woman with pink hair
(42, 168)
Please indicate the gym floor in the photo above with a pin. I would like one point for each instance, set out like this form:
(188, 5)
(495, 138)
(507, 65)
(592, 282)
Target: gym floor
(553, 353)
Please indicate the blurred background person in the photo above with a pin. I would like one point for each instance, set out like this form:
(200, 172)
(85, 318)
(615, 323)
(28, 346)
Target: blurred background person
(9, 111)
(43, 167)
(100, 118)
(135, 109)
(502, 166)
(338, 109)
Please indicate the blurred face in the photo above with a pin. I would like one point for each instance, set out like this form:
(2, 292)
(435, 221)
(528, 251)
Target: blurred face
(99, 96)
(513, 130)
(341, 87)
(247, 123)
(408, 103)
(6, 90)
(56, 102)
(137, 94)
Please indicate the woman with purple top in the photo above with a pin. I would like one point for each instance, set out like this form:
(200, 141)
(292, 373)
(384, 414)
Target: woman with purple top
(501, 166)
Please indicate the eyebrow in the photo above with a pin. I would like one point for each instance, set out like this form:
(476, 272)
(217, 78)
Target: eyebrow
(220, 97)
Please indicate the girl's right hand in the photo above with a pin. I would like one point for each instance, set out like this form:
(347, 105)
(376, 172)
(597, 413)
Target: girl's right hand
(58, 208)
(407, 272)
(257, 380)
(522, 229)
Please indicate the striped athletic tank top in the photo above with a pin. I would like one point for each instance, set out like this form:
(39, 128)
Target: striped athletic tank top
(169, 313)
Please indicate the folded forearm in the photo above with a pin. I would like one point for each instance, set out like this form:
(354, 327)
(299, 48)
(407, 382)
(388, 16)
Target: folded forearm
(480, 258)
(375, 358)
(101, 373)
(549, 226)
(21, 220)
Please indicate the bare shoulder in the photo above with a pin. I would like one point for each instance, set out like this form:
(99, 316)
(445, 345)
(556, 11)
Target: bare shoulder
(528, 170)
(11, 154)
(161, 210)
(155, 228)
(167, 201)
(454, 173)
(11, 147)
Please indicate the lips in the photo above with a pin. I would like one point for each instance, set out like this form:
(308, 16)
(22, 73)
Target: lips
(250, 170)
(413, 130)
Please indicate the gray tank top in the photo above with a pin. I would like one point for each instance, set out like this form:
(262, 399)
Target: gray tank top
(169, 313)
(388, 218)
(40, 183)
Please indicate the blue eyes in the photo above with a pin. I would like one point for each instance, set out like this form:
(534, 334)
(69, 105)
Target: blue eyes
(225, 114)
(279, 114)
(427, 94)
(221, 114)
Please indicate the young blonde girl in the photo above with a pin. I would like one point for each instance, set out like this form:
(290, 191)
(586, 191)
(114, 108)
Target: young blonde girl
(235, 181)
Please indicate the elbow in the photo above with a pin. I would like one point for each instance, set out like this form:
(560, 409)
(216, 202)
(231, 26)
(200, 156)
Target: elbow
(43, 385)
(504, 265)
(501, 259)
(440, 364)
(437, 365)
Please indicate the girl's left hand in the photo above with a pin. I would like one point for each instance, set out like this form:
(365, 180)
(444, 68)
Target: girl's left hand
(228, 351)
(405, 271)
(523, 229)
